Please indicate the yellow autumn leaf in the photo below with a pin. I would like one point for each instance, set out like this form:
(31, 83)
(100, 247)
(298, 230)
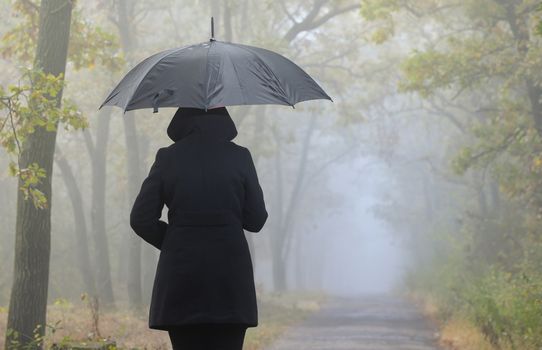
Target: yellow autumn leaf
(537, 162)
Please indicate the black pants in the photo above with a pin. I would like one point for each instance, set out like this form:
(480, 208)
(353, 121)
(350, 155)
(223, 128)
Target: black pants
(208, 337)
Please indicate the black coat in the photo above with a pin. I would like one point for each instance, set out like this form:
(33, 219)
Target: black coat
(210, 186)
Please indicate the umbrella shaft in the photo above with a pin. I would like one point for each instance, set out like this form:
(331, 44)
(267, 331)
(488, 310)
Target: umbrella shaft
(212, 27)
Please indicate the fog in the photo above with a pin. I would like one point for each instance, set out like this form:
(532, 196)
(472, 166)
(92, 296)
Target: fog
(419, 182)
(363, 256)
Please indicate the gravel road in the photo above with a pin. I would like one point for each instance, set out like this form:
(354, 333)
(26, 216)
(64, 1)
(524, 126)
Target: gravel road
(361, 323)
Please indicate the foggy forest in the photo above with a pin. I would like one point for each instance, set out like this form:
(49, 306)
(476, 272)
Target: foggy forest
(406, 213)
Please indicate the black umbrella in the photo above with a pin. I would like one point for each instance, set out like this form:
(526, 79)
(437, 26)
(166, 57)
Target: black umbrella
(212, 74)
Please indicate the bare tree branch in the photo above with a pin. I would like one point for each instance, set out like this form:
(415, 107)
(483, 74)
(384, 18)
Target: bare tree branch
(288, 14)
(332, 14)
(450, 116)
(88, 141)
(31, 5)
(309, 18)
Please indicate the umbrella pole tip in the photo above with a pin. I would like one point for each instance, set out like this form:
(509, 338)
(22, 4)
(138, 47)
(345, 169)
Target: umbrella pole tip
(212, 28)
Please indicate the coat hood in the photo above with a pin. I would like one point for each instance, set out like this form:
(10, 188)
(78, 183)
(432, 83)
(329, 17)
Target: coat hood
(215, 123)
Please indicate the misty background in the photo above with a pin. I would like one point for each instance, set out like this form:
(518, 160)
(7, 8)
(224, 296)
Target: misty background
(422, 177)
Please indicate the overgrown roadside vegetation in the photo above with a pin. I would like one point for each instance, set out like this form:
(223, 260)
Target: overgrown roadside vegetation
(81, 321)
(468, 199)
(490, 309)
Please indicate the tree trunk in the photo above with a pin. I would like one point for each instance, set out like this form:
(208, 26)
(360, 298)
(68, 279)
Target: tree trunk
(98, 155)
(279, 281)
(535, 93)
(495, 197)
(281, 239)
(295, 198)
(133, 162)
(279, 266)
(148, 252)
(28, 302)
(299, 273)
(81, 240)
(481, 196)
(134, 242)
(519, 28)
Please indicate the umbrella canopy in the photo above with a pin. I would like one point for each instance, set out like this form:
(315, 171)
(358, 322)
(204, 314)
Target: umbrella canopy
(212, 74)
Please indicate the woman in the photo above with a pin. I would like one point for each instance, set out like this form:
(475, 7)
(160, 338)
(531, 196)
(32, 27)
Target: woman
(203, 293)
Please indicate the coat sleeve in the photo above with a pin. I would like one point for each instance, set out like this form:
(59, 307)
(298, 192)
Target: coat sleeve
(254, 212)
(147, 208)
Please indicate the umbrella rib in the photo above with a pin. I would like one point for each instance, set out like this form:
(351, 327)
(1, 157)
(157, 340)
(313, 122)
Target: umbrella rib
(147, 72)
(271, 71)
(207, 77)
(238, 80)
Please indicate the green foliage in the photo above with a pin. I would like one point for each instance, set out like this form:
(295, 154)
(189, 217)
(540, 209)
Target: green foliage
(30, 104)
(15, 343)
(509, 146)
(373, 10)
(539, 25)
(19, 41)
(464, 63)
(463, 160)
(495, 284)
(380, 11)
(31, 176)
(89, 44)
(505, 306)
(485, 61)
(482, 61)
(33, 102)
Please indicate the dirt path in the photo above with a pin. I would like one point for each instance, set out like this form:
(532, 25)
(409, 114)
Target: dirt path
(361, 323)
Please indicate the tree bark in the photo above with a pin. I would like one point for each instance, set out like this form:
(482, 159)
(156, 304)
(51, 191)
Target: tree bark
(495, 197)
(519, 29)
(126, 31)
(28, 302)
(277, 238)
(291, 210)
(98, 155)
(298, 255)
(82, 250)
(134, 183)
(281, 238)
(279, 269)
(148, 252)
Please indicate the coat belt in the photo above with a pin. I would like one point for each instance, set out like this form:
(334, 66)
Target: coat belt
(203, 218)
